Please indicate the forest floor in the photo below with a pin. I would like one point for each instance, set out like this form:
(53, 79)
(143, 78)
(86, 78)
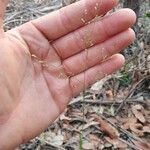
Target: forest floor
(115, 112)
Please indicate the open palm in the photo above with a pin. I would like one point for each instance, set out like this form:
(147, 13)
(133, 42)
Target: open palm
(46, 62)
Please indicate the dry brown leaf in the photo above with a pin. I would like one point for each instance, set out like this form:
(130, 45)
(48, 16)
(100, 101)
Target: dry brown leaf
(137, 111)
(138, 107)
(137, 129)
(117, 143)
(106, 127)
(146, 129)
(127, 122)
(52, 138)
(88, 146)
(142, 145)
(95, 139)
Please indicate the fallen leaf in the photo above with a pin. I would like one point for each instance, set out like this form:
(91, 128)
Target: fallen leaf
(137, 128)
(142, 145)
(127, 122)
(58, 140)
(117, 143)
(106, 127)
(138, 107)
(54, 139)
(95, 139)
(87, 146)
(137, 111)
(146, 129)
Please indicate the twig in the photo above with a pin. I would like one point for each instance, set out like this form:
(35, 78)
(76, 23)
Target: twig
(125, 132)
(131, 92)
(107, 102)
(121, 129)
(129, 144)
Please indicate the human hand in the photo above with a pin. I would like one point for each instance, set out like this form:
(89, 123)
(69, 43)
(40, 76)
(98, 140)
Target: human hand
(47, 61)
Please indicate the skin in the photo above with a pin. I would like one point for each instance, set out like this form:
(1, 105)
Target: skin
(44, 64)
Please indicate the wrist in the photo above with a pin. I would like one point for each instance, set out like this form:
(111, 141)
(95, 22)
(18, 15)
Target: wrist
(10, 135)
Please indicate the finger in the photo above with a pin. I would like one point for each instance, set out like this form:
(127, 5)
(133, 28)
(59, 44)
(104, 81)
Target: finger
(84, 38)
(81, 81)
(67, 19)
(94, 55)
(3, 4)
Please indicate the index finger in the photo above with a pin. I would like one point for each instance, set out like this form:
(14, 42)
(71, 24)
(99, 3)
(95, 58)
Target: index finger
(72, 17)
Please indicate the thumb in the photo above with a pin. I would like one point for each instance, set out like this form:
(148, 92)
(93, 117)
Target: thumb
(3, 4)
